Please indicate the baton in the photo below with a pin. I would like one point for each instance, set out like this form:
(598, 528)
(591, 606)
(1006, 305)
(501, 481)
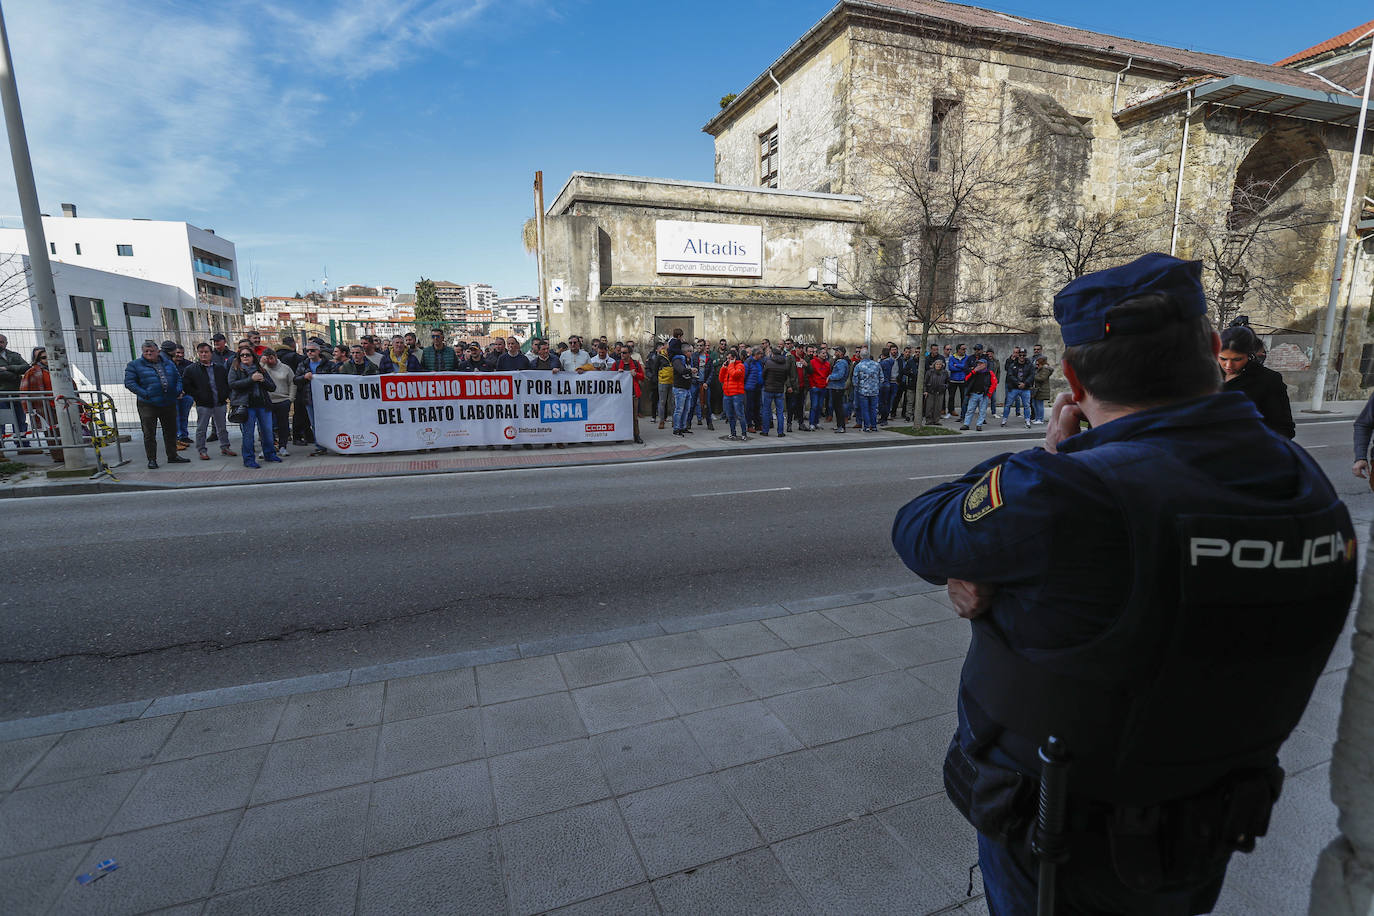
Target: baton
(1049, 841)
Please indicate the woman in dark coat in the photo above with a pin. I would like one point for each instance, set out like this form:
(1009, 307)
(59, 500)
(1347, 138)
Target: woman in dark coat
(1263, 385)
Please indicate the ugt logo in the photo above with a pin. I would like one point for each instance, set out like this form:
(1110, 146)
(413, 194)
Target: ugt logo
(343, 440)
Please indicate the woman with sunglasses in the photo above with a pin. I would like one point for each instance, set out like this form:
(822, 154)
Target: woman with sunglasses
(43, 409)
(249, 398)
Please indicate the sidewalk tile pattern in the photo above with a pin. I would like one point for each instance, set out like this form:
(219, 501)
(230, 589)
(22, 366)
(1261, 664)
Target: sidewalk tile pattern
(783, 761)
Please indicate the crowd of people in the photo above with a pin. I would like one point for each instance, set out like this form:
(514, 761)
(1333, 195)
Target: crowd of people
(760, 389)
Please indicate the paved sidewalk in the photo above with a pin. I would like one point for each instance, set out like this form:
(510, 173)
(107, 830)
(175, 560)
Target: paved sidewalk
(782, 759)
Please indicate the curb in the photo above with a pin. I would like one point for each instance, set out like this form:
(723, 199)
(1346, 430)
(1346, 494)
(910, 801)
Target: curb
(54, 723)
(83, 489)
(80, 489)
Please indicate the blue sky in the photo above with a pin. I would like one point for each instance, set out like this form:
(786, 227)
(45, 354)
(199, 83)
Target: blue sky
(389, 139)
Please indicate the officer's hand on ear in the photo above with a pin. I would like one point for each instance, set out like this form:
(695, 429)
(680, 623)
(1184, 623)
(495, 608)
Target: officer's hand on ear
(971, 599)
(1361, 469)
(1066, 419)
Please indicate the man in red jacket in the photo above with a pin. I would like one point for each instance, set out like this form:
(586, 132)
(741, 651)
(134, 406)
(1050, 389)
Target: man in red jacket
(627, 363)
(796, 400)
(820, 372)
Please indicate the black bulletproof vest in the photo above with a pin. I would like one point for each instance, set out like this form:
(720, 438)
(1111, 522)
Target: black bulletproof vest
(1234, 604)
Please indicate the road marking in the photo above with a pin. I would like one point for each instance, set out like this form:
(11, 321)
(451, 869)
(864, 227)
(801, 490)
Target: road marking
(471, 512)
(934, 476)
(742, 492)
(180, 535)
(1311, 447)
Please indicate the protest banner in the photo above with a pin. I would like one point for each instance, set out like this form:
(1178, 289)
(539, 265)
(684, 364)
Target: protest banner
(406, 412)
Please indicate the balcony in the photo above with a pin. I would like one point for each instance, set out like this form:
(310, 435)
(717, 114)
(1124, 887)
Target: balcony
(205, 267)
(216, 302)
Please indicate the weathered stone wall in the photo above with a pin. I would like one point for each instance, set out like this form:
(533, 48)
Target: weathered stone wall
(602, 228)
(1031, 99)
(809, 110)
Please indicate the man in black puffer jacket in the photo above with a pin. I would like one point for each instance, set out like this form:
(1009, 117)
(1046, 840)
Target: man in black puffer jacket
(778, 379)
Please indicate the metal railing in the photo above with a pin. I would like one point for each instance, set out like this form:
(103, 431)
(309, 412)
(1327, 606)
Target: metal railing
(28, 425)
(98, 356)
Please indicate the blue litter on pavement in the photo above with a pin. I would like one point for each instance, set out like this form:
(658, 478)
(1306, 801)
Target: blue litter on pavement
(101, 870)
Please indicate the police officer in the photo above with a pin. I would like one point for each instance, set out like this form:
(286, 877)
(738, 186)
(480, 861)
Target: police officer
(1159, 592)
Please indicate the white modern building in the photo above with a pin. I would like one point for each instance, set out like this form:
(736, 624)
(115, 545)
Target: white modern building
(481, 297)
(517, 310)
(119, 282)
(197, 267)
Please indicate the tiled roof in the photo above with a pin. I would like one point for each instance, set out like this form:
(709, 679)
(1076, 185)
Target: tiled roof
(1193, 61)
(1330, 44)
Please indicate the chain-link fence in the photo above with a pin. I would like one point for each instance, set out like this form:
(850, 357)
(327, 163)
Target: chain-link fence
(98, 356)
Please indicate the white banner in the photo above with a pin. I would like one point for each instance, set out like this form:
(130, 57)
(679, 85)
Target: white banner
(363, 414)
(709, 249)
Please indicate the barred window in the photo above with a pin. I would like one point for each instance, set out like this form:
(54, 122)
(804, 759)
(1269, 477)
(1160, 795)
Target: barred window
(768, 158)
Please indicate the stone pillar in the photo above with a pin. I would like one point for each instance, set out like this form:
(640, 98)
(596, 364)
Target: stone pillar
(1344, 882)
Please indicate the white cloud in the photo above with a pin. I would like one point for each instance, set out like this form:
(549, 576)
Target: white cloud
(152, 107)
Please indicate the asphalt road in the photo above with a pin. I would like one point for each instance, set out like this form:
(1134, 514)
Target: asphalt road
(110, 598)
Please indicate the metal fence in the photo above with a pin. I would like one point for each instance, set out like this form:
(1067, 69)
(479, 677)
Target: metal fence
(98, 356)
(28, 425)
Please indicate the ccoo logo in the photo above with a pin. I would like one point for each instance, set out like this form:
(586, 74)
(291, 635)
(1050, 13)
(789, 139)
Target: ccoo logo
(510, 432)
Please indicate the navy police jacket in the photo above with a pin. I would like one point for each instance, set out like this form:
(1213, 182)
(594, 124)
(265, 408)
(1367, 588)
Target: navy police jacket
(1169, 587)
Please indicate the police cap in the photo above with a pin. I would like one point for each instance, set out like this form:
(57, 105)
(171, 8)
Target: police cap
(1083, 307)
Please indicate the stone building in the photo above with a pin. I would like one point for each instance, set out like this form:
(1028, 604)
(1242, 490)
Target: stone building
(1240, 164)
(611, 246)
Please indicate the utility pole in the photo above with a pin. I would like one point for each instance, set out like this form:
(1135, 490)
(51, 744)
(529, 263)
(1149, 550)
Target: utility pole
(539, 246)
(64, 391)
(1338, 269)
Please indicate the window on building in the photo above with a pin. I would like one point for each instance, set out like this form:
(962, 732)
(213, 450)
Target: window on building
(88, 321)
(806, 331)
(664, 327)
(124, 251)
(133, 310)
(942, 132)
(52, 246)
(1367, 366)
(940, 255)
(169, 323)
(768, 158)
(78, 247)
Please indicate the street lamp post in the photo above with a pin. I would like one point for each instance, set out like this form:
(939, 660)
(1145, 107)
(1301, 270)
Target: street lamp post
(49, 317)
(1338, 270)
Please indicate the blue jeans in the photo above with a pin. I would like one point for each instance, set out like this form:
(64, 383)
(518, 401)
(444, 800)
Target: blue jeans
(665, 401)
(1038, 409)
(837, 406)
(682, 408)
(753, 398)
(977, 406)
(701, 398)
(734, 411)
(885, 401)
(184, 405)
(774, 402)
(867, 405)
(259, 421)
(1016, 396)
(818, 396)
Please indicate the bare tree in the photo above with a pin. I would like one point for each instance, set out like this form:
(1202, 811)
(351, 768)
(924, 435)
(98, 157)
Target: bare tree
(14, 290)
(1086, 241)
(1254, 253)
(933, 235)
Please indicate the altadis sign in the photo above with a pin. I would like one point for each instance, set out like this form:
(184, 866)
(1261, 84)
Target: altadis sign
(709, 249)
